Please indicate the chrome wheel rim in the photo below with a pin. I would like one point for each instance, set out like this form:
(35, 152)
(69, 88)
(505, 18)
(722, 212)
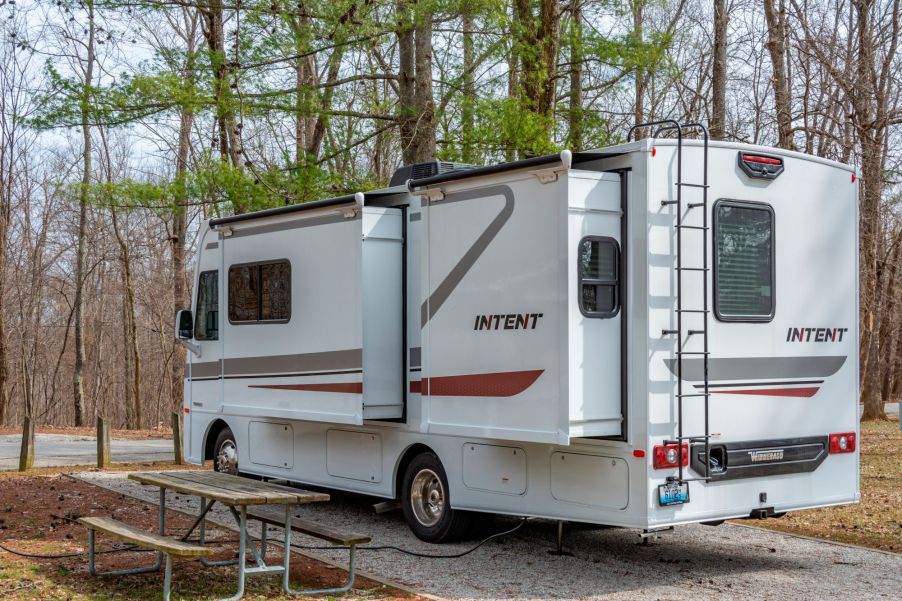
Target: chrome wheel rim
(427, 498)
(227, 458)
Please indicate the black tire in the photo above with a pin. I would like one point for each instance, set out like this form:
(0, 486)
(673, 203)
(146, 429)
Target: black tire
(225, 453)
(426, 502)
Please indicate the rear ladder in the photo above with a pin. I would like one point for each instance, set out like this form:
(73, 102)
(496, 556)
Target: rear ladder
(681, 334)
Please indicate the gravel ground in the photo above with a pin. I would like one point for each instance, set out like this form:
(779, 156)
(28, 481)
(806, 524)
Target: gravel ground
(694, 562)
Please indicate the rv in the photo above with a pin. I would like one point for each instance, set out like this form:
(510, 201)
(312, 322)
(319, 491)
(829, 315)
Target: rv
(656, 333)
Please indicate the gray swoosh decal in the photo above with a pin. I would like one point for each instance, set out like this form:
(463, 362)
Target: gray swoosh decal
(276, 364)
(758, 368)
(457, 273)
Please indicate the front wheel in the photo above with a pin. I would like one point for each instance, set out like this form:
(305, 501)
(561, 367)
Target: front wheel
(426, 503)
(225, 453)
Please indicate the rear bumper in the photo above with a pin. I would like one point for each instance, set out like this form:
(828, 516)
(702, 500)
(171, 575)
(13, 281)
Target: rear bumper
(760, 458)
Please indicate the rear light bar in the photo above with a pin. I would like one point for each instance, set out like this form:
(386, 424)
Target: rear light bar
(842, 442)
(760, 166)
(668, 456)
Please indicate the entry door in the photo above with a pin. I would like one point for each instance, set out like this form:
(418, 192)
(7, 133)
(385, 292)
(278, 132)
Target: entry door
(204, 371)
(596, 304)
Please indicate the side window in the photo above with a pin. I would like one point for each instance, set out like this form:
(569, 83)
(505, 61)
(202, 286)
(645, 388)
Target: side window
(743, 261)
(599, 279)
(206, 314)
(260, 292)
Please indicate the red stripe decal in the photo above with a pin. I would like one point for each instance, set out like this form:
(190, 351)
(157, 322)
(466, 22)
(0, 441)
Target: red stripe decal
(502, 384)
(796, 392)
(345, 387)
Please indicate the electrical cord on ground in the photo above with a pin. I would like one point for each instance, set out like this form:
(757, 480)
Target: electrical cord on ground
(414, 553)
(136, 549)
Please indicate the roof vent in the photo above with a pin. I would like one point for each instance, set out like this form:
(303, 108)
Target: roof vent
(421, 170)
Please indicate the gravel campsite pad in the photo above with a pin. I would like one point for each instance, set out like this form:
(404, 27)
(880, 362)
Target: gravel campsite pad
(697, 562)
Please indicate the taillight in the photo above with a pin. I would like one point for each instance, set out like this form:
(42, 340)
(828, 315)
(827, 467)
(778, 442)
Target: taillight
(668, 455)
(843, 442)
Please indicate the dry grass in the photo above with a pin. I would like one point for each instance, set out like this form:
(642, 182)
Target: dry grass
(877, 521)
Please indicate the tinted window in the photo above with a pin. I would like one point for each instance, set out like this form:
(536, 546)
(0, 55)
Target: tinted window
(599, 288)
(206, 314)
(260, 292)
(744, 261)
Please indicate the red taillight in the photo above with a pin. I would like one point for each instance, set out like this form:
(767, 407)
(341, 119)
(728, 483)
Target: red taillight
(668, 455)
(639, 453)
(843, 442)
(753, 158)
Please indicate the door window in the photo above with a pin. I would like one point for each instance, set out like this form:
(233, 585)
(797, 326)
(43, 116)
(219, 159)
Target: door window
(206, 314)
(599, 277)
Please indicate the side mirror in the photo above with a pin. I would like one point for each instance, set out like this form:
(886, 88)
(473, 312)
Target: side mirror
(184, 325)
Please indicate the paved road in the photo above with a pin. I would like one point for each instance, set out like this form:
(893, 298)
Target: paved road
(64, 449)
(693, 562)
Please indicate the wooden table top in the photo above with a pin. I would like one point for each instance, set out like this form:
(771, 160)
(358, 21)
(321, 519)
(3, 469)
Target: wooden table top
(228, 489)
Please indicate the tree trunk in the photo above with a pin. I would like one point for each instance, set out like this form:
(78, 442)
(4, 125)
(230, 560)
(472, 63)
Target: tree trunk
(776, 46)
(638, 10)
(78, 392)
(130, 334)
(468, 85)
(719, 72)
(424, 136)
(575, 112)
(229, 139)
(407, 113)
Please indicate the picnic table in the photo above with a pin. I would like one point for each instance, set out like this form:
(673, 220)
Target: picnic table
(237, 493)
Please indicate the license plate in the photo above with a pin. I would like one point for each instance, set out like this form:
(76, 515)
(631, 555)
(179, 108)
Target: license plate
(673, 493)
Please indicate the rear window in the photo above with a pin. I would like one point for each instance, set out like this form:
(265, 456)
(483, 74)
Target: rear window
(744, 261)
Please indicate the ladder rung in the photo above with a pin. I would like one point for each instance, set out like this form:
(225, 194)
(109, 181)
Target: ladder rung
(689, 438)
(693, 205)
(682, 396)
(692, 311)
(693, 185)
(664, 203)
(691, 332)
(669, 332)
(693, 353)
(692, 227)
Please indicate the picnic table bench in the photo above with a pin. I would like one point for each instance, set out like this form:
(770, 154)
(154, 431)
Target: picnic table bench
(164, 545)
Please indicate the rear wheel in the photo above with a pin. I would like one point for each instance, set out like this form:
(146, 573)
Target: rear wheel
(225, 453)
(426, 502)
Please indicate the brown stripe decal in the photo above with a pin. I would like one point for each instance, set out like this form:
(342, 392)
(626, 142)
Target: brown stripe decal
(343, 387)
(504, 384)
(280, 364)
(457, 273)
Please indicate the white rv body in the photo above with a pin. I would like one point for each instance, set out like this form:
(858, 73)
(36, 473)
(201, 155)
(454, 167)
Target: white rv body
(446, 316)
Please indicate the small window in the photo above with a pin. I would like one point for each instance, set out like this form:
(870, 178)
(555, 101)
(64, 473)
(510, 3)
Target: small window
(744, 261)
(599, 285)
(260, 292)
(206, 315)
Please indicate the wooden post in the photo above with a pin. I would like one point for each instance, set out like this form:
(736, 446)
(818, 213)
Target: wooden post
(177, 438)
(103, 443)
(26, 454)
